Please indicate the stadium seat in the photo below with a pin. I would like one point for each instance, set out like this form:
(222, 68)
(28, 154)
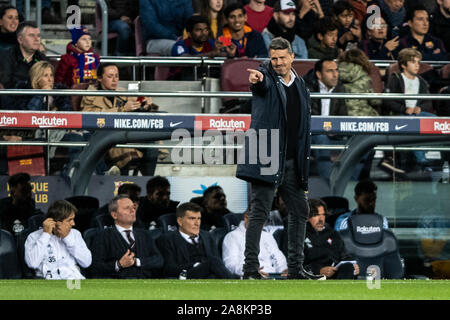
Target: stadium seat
(232, 220)
(370, 244)
(89, 235)
(167, 222)
(27, 273)
(218, 235)
(377, 81)
(76, 100)
(103, 221)
(155, 233)
(138, 37)
(234, 75)
(9, 262)
(35, 222)
(336, 206)
(394, 67)
(302, 67)
(86, 206)
(99, 27)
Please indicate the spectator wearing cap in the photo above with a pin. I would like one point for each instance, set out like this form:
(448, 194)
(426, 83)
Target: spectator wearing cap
(431, 48)
(258, 14)
(282, 25)
(80, 62)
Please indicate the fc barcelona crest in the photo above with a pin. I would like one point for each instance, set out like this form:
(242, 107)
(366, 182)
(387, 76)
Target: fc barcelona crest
(101, 122)
(327, 126)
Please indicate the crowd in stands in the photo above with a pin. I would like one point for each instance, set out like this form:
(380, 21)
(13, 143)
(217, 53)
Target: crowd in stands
(120, 242)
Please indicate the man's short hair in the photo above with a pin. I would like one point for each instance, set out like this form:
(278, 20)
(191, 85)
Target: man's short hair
(18, 178)
(231, 7)
(314, 205)
(193, 20)
(112, 206)
(25, 24)
(210, 190)
(280, 43)
(340, 6)
(407, 54)
(324, 25)
(318, 66)
(60, 210)
(365, 186)
(157, 182)
(101, 68)
(411, 12)
(187, 206)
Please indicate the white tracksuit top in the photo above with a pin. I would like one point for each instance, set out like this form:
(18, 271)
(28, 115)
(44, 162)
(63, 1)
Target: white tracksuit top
(270, 257)
(55, 258)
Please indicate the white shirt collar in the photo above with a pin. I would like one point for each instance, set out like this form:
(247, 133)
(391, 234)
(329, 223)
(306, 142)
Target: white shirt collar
(324, 88)
(290, 82)
(122, 229)
(187, 238)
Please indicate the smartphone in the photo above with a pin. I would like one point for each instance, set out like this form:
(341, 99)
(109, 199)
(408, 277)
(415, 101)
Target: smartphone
(225, 40)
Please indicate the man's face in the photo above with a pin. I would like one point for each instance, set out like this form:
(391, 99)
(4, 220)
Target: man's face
(345, 18)
(110, 78)
(281, 61)
(285, 19)
(84, 43)
(216, 200)
(366, 202)
(395, 5)
(236, 20)
(9, 21)
(62, 228)
(329, 39)
(30, 39)
(420, 23)
(190, 223)
(329, 74)
(379, 29)
(125, 215)
(160, 197)
(200, 33)
(412, 67)
(318, 221)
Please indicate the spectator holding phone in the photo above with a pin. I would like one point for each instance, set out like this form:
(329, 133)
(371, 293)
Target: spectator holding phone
(199, 43)
(57, 250)
(377, 47)
(349, 29)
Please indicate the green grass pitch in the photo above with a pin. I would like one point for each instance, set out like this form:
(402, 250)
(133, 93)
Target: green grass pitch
(106, 289)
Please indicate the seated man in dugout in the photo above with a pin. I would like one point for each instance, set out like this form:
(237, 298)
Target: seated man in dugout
(119, 158)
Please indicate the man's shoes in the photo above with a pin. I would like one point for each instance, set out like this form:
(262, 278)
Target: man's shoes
(252, 276)
(302, 274)
(113, 171)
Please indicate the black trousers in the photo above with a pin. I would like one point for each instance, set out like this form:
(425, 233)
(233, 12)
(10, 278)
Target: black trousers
(261, 203)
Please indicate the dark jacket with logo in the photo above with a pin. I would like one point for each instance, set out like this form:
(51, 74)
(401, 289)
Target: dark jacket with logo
(396, 84)
(323, 248)
(269, 112)
(427, 48)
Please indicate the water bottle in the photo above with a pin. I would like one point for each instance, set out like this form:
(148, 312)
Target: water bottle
(445, 173)
(183, 275)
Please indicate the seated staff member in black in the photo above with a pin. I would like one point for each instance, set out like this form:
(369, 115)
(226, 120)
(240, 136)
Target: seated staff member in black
(122, 251)
(190, 249)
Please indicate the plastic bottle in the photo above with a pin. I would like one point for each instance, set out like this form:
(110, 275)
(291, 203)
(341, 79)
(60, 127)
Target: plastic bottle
(183, 275)
(445, 173)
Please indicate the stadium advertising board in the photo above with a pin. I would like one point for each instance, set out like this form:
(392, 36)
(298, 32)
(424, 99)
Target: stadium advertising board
(435, 126)
(49, 120)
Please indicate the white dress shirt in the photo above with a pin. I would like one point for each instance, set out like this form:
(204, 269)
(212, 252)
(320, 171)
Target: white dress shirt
(290, 82)
(325, 109)
(270, 257)
(55, 258)
(124, 235)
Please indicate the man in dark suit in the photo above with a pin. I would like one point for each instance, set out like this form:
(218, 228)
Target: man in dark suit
(121, 251)
(190, 250)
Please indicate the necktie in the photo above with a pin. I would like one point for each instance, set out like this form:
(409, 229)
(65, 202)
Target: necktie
(131, 241)
(194, 242)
